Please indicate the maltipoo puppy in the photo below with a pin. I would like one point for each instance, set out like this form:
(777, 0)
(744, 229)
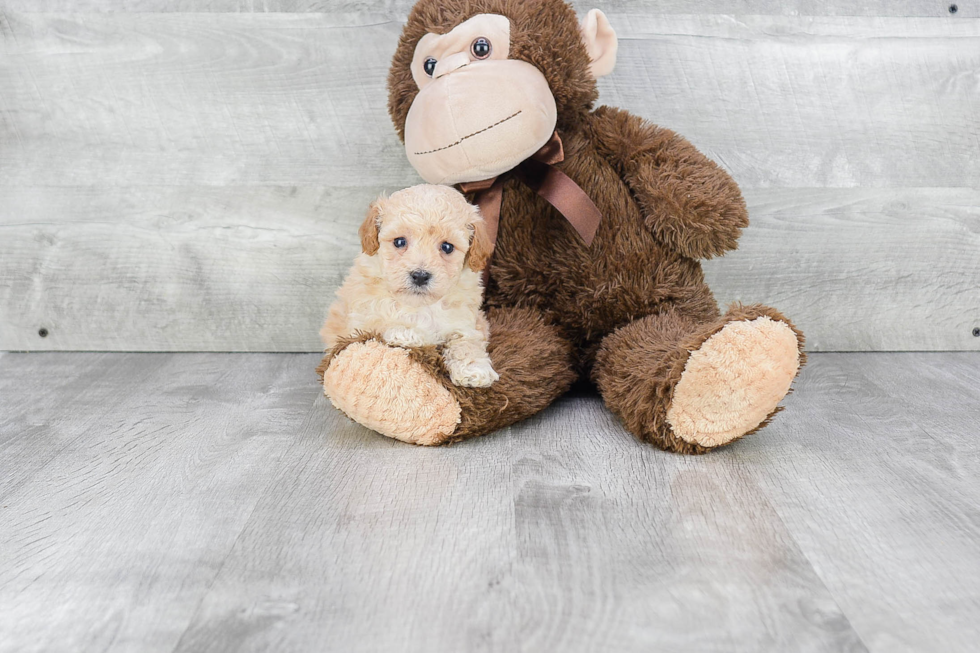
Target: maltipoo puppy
(418, 282)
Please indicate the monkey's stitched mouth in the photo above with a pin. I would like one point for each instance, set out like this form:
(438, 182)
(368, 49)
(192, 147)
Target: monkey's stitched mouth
(480, 131)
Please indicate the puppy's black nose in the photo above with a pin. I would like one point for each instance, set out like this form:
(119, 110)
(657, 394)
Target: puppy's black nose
(421, 277)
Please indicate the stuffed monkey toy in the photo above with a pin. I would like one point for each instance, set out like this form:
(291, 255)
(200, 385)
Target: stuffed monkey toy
(599, 219)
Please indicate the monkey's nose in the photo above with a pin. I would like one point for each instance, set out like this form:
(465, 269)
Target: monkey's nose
(421, 277)
(451, 63)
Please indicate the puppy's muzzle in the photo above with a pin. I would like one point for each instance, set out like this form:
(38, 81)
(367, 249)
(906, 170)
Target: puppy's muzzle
(420, 278)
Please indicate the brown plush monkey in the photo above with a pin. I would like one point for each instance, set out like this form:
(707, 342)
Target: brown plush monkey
(476, 89)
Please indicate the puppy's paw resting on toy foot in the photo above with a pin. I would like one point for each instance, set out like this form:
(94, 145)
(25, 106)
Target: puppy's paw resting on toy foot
(403, 337)
(734, 381)
(385, 390)
(472, 374)
(468, 364)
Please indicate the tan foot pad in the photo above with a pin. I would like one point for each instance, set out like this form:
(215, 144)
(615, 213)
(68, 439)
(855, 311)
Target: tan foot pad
(734, 381)
(382, 388)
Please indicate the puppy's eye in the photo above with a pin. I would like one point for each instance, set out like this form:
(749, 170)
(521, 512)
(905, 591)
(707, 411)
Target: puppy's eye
(448, 248)
(481, 48)
(429, 66)
(399, 242)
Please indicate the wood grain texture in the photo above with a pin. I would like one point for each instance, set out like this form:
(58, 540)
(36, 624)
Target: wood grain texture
(811, 102)
(398, 9)
(83, 390)
(228, 507)
(224, 99)
(114, 542)
(173, 180)
(255, 268)
(876, 478)
(160, 268)
(528, 540)
(862, 269)
(198, 99)
(219, 503)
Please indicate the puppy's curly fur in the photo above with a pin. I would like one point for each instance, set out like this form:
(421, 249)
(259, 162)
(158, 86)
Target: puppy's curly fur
(417, 280)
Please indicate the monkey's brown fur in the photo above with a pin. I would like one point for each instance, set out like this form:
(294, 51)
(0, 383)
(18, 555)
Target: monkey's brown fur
(628, 310)
(524, 350)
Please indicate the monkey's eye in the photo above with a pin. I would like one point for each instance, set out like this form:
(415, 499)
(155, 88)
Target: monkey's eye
(481, 48)
(429, 66)
(448, 248)
(399, 242)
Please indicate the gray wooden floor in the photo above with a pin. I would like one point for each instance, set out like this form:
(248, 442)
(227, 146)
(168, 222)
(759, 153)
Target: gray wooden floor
(186, 502)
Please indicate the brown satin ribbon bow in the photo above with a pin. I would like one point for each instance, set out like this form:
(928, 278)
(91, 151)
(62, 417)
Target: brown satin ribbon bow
(539, 174)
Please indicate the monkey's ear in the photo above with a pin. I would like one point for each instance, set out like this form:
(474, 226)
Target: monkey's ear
(370, 227)
(600, 42)
(481, 248)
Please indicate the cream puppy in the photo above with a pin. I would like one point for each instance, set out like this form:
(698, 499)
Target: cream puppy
(418, 282)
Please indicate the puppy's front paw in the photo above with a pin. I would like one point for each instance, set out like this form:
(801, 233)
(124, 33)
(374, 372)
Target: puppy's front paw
(403, 337)
(472, 374)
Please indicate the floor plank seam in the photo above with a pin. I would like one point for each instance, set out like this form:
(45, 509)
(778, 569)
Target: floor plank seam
(107, 408)
(214, 578)
(270, 486)
(802, 551)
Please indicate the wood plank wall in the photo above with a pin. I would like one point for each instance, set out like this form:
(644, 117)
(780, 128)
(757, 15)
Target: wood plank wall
(189, 175)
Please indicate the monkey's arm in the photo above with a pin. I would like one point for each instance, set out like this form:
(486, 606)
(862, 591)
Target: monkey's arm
(687, 200)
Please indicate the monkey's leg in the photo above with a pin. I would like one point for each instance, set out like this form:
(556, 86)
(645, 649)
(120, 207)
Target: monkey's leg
(406, 394)
(689, 386)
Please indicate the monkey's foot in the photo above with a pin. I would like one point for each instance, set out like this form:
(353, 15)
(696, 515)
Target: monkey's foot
(382, 388)
(733, 382)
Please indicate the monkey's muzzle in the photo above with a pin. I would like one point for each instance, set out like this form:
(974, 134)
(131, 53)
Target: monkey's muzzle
(479, 121)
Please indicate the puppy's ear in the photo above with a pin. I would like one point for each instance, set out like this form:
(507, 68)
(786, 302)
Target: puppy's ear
(370, 227)
(480, 247)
